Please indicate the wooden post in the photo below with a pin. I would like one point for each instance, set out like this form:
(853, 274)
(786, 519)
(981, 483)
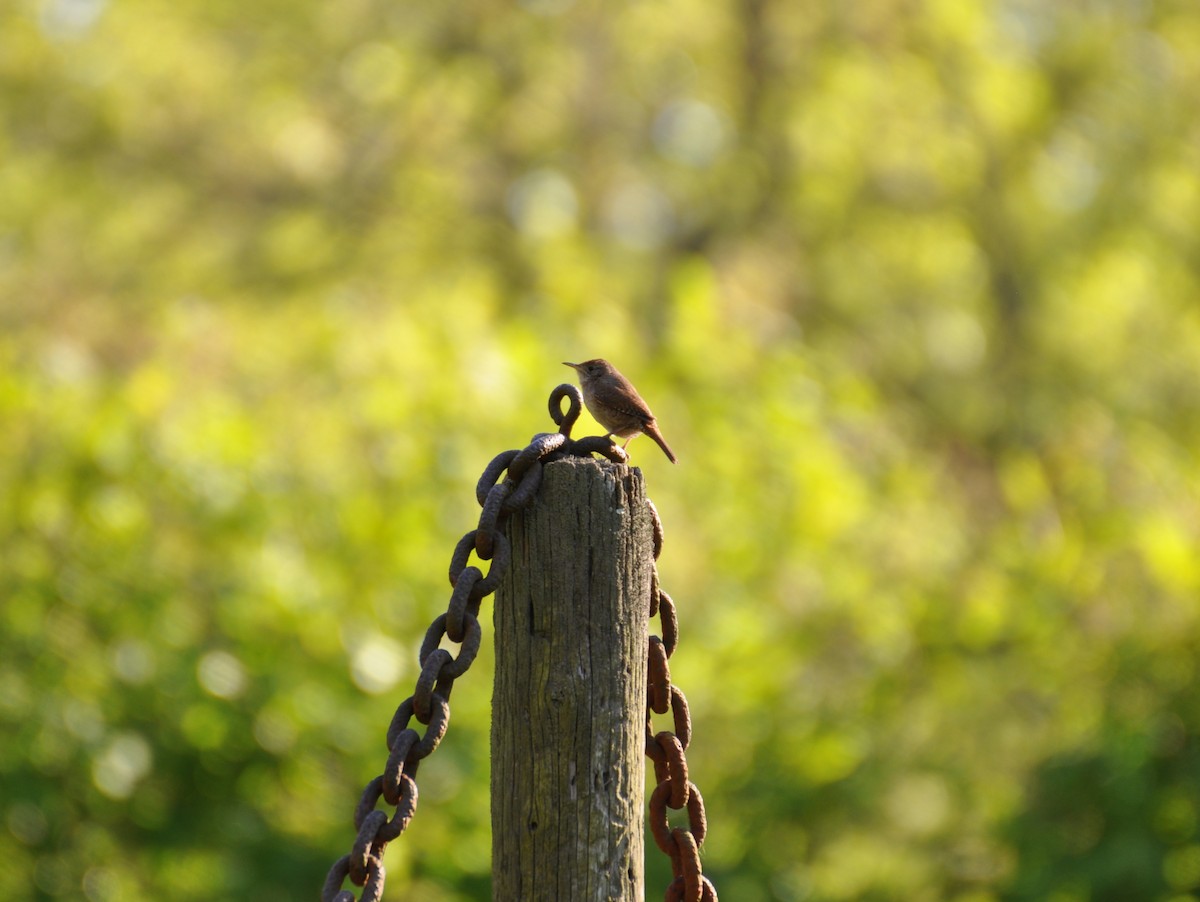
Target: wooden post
(568, 709)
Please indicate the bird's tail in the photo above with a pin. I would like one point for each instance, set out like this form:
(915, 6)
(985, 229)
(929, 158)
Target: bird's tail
(652, 431)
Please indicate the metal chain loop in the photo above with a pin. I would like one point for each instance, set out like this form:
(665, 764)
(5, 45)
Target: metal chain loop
(430, 702)
(666, 750)
(658, 681)
(670, 623)
(471, 641)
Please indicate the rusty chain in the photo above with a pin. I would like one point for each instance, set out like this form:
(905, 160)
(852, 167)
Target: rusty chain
(429, 704)
(666, 749)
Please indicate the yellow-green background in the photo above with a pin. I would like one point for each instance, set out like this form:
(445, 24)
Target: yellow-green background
(912, 287)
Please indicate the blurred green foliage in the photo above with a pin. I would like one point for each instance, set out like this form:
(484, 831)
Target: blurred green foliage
(912, 287)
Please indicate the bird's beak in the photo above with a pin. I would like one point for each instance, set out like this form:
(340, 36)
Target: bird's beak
(573, 366)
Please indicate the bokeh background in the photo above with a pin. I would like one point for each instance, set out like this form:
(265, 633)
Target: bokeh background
(912, 286)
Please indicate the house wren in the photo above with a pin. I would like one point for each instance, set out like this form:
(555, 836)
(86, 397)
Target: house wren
(615, 403)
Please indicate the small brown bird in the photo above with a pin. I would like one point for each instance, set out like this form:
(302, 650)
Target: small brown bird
(615, 403)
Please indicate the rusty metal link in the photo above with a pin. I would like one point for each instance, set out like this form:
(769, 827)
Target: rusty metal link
(657, 527)
(471, 640)
(670, 767)
(565, 421)
(372, 884)
(491, 473)
(431, 680)
(490, 518)
(409, 747)
(332, 890)
(470, 585)
(658, 677)
(499, 558)
(598, 444)
(669, 621)
(660, 828)
(398, 766)
(399, 725)
(665, 749)
(430, 702)
(464, 606)
(660, 801)
(406, 807)
(525, 490)
(541, 447)
(681, 716)
(439, 720)
(689, 864)
(466, 595)
(373, 888)
(362, 853)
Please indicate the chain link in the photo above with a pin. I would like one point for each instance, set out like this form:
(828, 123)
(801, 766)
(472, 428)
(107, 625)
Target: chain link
(429, 704)
(666, 749)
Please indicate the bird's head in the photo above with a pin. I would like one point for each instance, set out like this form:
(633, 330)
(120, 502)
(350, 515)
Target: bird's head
(591, 369)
